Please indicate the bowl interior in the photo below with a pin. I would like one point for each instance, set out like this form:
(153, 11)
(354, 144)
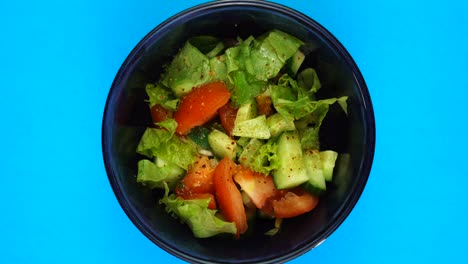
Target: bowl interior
(352, 135)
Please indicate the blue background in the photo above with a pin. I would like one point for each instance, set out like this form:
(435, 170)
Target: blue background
(58, 60)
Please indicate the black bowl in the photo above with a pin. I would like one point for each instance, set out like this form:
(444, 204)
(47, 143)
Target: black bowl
(127, 115)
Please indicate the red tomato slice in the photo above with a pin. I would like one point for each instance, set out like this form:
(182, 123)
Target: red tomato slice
(159, 113)
(258, 187)
(200, 105)
(228, 114)
(273, 202)
(199, 178)
(228, 196)
(194, 196)
(268, 206)
(295, 202)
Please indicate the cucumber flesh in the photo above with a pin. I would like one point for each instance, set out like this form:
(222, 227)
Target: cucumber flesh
(291, 170)
(222, 145)
(316, 183)
(295, 62)
(328, 158)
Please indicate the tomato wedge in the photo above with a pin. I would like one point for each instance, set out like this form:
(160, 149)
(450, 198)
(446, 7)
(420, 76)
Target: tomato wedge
(159, 113)
(200, 105)
(295, 202)
(259, 187)
(228, 196)
(273, 202)
(228, 115)
(199, 178)
(198, 182)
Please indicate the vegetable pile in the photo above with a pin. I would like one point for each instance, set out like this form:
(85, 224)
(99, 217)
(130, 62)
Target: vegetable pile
(236, 134)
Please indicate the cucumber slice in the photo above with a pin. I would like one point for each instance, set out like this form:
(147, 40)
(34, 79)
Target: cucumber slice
(291, 170)
(222, 145)
(295, 62)
(328, 158)
(199, 135)
(316, 183)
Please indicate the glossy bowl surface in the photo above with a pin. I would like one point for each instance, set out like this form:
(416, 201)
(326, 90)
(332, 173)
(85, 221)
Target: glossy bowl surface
(127, 115)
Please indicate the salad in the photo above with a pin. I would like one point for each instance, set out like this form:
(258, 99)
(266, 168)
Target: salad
(236, 134)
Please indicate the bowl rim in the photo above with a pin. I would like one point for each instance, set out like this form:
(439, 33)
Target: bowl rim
(370, 131)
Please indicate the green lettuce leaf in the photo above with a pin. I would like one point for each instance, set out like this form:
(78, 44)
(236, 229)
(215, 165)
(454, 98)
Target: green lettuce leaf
(288, 82)
(270, 53)
(208, 45)
(195, 213)
(308, 80)
(152, 138)
(246, 88)
(162, 144)
(189, 68)
(255, 61)
(278, 92)
(218, 68)
(295, 100)
(170, 125)
(153, 175)
(237, 55)
(304, 106)
(309, 127)
(158, 94)
(307, 83)
(264, 160)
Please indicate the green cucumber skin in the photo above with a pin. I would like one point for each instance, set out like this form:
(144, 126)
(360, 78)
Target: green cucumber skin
(328, 158)
(316, 183)
(222, 145)
(291, 171)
